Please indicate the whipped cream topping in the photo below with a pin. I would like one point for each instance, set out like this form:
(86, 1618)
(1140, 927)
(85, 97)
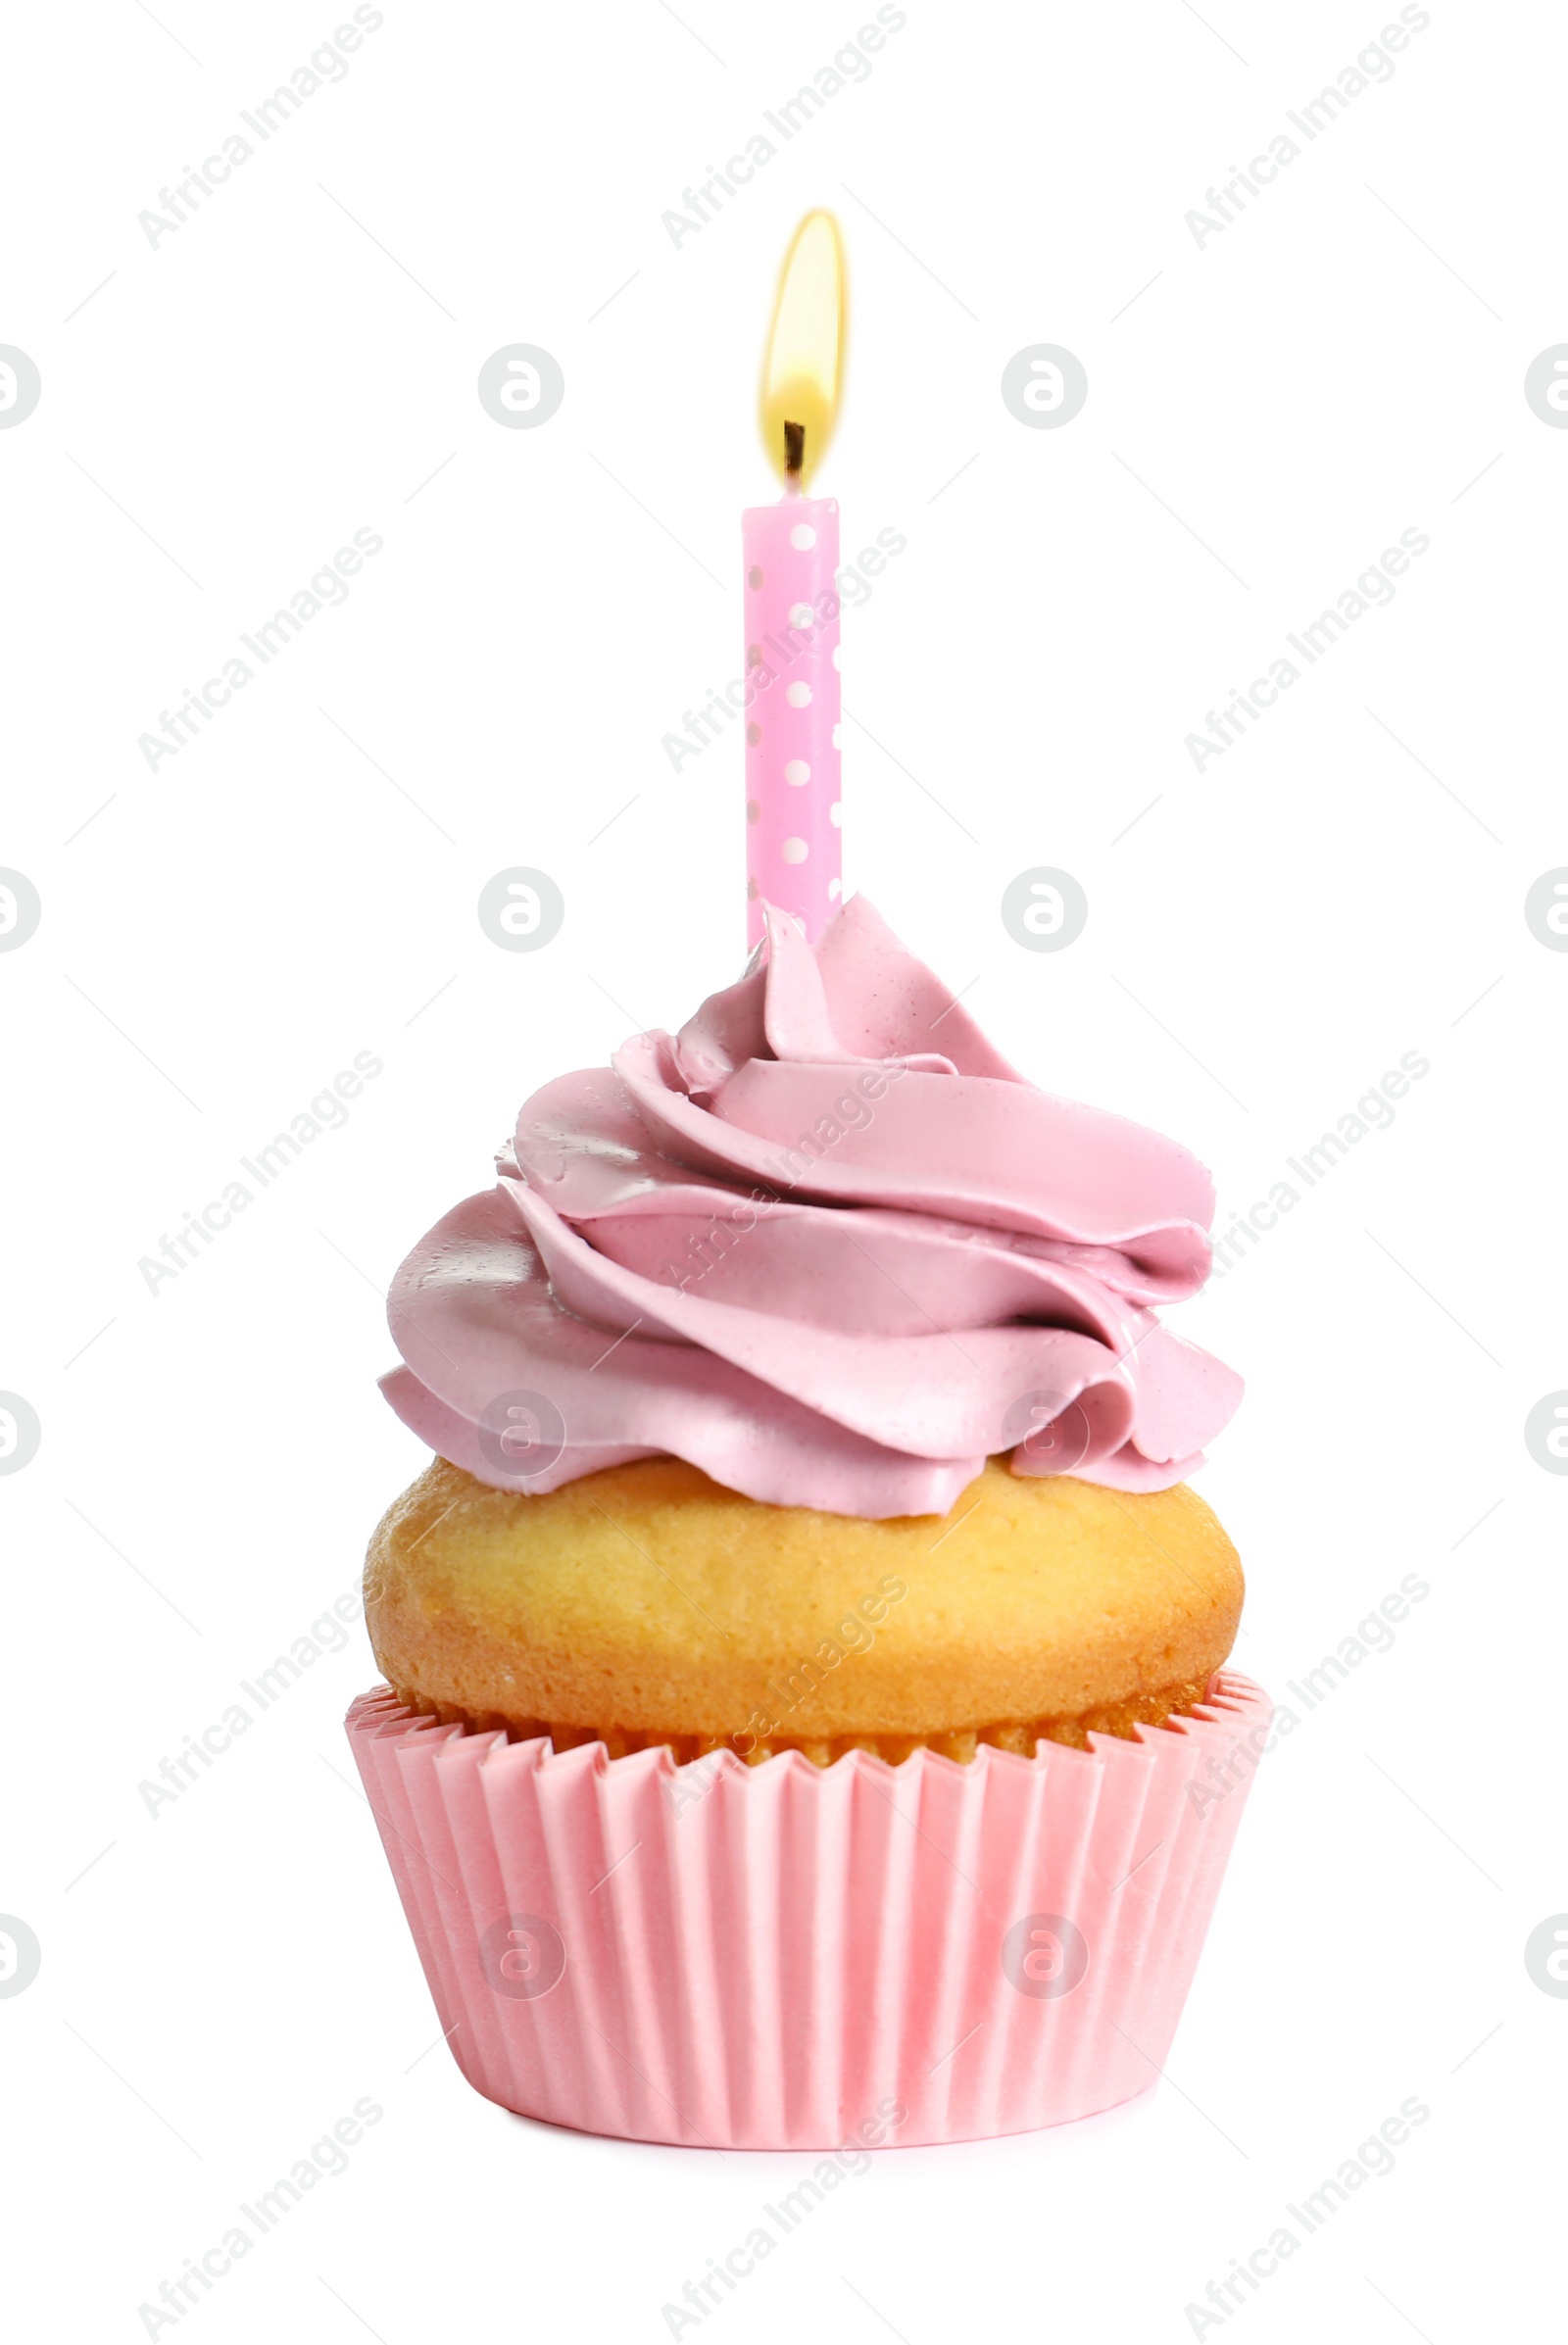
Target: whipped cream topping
(825, 1244)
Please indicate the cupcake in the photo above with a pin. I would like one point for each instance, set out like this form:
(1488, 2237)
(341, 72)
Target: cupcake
(803, 1651)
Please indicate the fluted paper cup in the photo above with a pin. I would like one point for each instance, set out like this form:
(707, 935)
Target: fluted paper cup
(763, 1957)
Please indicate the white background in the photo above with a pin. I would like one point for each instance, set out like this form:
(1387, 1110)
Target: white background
(1267, 412)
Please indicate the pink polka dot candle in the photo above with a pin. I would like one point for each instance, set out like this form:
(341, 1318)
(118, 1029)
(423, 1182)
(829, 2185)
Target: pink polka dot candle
(791, 553)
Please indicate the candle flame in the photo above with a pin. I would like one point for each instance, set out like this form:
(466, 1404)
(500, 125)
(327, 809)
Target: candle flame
(803, 371)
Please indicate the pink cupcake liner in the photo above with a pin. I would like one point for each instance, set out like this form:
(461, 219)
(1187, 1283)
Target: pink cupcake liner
(765, 1958)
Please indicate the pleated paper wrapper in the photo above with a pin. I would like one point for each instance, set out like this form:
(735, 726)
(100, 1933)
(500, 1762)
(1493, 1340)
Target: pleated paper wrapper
(762, 1957)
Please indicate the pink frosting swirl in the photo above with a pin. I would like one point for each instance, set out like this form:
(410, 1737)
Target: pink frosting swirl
(825, 1244)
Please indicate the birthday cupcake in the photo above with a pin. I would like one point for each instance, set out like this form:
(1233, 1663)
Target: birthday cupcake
(804, 1652)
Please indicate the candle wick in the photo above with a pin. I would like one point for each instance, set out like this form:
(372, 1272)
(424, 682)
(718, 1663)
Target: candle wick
(794, 450)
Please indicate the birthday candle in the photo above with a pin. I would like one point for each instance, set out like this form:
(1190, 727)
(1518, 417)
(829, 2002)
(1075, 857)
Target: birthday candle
(791, 551)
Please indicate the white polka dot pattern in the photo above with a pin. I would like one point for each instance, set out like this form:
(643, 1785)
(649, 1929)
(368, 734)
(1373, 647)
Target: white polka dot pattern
(792, 842)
